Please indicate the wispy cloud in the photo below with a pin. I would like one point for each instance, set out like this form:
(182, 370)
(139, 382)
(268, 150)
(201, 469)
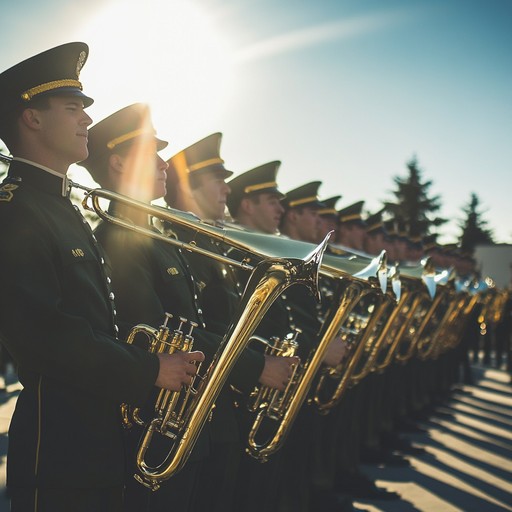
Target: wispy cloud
(319, 34)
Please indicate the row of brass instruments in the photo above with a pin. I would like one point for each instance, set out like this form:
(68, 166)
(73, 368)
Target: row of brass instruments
(386, 315)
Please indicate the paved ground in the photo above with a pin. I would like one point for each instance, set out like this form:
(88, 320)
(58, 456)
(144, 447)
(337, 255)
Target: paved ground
(468, 466)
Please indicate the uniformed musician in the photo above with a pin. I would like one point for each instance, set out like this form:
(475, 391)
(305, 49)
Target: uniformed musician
(57, 312)
(151, 278)
(196, 177)
(253, 204)
(255, 200)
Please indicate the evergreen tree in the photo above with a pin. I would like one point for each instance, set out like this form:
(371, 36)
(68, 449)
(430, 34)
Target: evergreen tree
(414, 207)
(474, 227)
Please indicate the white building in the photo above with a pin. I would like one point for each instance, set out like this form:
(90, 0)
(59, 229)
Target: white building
(495, 261)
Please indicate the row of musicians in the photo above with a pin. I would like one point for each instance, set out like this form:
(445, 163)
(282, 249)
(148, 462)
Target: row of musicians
(70, 297)
(317, 471)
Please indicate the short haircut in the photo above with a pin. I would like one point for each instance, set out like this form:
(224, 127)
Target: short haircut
(9, 122)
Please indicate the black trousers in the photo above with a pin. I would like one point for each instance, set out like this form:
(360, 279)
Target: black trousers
(65, 500)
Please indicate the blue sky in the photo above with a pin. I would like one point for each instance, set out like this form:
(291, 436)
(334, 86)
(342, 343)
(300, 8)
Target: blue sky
(345, 91)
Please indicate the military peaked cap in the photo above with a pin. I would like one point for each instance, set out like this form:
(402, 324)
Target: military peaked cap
(330, 207)
(352, 214)
(53, 72)
(202, 156)
(118, 131)
(261, 179)
(305, 195)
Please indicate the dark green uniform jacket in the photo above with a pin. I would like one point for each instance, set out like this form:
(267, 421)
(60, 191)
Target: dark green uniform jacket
(57, 319)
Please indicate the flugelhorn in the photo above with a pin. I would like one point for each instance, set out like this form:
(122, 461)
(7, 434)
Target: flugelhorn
(270, 404)
(283, 263)
(169, 405)
(453, 323)
(280, 419)
(417, 290)
(269, 279)
(276, 411)
(358, 313)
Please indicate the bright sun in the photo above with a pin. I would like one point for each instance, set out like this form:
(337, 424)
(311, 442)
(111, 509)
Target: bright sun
(168, 53)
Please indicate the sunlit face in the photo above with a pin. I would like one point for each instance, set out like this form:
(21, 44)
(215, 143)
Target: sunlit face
(266, 212)
(64, 130)
(140, 172)
(308, 224)
(211, 195)
(160, 188)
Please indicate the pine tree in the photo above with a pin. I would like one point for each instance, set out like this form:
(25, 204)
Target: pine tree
(413, 206)
(474, 227)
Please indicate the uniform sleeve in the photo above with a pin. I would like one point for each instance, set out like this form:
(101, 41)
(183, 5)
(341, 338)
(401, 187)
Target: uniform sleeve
(49, 337)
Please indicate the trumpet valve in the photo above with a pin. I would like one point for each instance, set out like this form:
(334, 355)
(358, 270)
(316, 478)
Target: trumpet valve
(193, 325)
(168, 316)
(183, 321)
